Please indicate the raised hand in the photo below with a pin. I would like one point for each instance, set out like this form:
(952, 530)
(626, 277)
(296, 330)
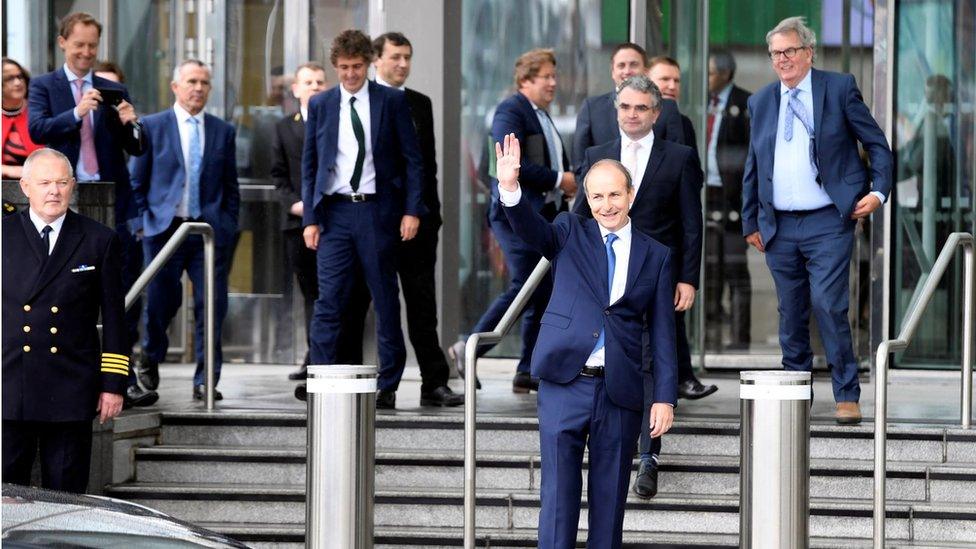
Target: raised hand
(507, 162)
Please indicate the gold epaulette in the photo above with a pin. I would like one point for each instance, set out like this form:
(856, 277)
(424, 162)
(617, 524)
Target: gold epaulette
(115, 364)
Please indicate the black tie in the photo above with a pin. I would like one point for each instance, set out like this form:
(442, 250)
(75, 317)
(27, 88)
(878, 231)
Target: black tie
(46, 240)
(357, 128)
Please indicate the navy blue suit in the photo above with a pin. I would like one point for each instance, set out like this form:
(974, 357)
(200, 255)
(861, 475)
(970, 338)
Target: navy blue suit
(601, 413)
(363, 232)
(809, 253)
(516, 115)
(596, 124)
(667, 208)
(158, 180)
(52, 123)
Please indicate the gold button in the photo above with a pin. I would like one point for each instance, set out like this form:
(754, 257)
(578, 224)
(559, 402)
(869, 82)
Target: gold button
(26, 348)
(54, 349)
(26, 328)
(54, 309)
(54, 330)
(27, 308)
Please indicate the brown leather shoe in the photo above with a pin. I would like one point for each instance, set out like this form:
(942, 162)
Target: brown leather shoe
(848, 413)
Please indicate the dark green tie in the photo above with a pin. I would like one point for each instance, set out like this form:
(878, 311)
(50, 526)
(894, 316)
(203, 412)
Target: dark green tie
(357, 128)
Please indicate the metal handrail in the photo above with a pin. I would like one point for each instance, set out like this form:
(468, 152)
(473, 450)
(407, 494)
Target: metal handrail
(470, 389)
(910, 324)
(151, 270)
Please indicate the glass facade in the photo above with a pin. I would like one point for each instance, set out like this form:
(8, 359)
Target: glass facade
(254, 45)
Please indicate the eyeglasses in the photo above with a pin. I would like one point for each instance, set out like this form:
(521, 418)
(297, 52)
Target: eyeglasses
(788, 53)
(639, 109)
(12, 77)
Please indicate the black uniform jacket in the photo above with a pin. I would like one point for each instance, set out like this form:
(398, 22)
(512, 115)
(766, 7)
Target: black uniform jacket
(54, 366)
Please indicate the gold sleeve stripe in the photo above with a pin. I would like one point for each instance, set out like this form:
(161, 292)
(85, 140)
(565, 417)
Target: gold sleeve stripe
(113, 355)
(114, 371)
(109, 360)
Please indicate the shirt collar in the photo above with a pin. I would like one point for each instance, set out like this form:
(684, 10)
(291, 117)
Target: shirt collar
(39, 223)
(535, 107)
(361, 96)
(304, 113)
(622, 233)
(723, 96)
(382, 82)
(805, 85)
(646, 142)
(72, 76)
(182, 115)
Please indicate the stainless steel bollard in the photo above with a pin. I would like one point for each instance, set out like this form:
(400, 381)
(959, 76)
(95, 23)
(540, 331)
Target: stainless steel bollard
(774, 474)
(341, 457)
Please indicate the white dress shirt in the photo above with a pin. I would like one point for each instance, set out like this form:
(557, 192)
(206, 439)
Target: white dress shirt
(348, 147)
(80, 172)
(643, 157)
(795, 184)
(55, 225)
(621, 249)
(712, 177)
(304, 111)
(381, 82)
(185, 128)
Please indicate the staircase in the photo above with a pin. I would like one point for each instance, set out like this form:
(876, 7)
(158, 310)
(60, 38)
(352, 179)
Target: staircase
(243, 474)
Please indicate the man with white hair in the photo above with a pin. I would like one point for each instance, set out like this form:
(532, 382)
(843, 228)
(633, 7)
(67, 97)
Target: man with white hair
(804, 190)
(187, 174)
(61, 271)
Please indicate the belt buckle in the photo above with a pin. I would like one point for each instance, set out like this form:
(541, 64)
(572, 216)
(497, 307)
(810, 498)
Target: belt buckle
(357, 197)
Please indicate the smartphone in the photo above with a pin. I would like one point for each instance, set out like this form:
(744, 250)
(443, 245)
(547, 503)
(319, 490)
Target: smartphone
(111, 96)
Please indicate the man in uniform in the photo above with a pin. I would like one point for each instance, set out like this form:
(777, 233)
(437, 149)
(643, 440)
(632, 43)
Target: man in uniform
(60, 271)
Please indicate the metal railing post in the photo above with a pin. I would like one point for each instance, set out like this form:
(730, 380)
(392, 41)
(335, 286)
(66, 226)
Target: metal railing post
(774, 504)
(912, 319)
(340, 457)
(209, 273)
(470, 389)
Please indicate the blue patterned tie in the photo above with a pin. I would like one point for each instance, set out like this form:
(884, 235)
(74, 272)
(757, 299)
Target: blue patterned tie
(196, 162)
(555, 162)
(795, 109)
(611, 265)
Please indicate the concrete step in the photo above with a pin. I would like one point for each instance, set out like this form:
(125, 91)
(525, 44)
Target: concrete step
(702, 475)
(502, 509)
(283, 536)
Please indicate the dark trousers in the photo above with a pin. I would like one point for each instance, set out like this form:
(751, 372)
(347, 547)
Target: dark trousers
(416, 261)
(725, 260)
(652, 446)
(301, 262)
(520, 260)
(356, 237)
(809, 258)
(65, 449)
(132, 263)
(572, 417)
(165, 295)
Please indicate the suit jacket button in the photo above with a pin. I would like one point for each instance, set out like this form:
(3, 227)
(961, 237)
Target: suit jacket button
(26, 348)
(54, 309)
(596, 334)
(606, 312)
(54, 350)
(27, 308)
(54, 330)
(27, 328)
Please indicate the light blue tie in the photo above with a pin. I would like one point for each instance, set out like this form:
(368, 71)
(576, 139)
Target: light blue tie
(611, 265)
(796, 109)
(555, 162)
(196, 161)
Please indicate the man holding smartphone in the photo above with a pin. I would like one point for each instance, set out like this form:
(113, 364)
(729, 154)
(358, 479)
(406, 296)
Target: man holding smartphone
(91, 121)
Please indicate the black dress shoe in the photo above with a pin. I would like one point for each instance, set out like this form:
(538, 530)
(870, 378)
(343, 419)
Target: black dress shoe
(301, 392)
(137, 396)
(199, 393)
(441, 396)
(693, 389)
(523, 382)
(300, 373)
(385, 400)
(457, 355)
(147, 372)
(645, 485)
